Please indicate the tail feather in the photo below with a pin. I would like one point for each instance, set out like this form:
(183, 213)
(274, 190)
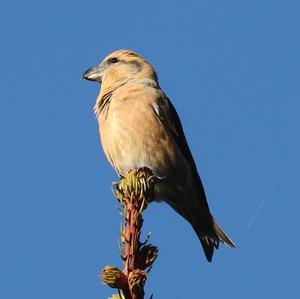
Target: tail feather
(210, 240)
(222, 235)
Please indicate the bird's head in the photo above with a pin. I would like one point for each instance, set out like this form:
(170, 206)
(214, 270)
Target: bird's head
(120, 67)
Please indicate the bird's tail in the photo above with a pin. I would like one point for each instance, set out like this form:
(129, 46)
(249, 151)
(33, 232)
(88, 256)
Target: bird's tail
(211, 239)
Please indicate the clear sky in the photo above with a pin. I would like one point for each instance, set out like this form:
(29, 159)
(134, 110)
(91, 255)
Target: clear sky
(232, 70)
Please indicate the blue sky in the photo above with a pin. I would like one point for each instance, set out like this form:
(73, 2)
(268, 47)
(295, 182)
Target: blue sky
(232, 70)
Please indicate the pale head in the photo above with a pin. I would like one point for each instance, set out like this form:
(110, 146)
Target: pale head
(119, 67)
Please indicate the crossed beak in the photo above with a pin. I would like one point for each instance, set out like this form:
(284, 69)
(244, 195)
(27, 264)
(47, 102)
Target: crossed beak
(94, 73)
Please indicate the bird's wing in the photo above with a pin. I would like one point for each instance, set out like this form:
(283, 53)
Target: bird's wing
(167, 114)
(207, 229)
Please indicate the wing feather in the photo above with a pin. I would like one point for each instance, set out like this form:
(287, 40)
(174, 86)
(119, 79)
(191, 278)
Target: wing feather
(167, 114)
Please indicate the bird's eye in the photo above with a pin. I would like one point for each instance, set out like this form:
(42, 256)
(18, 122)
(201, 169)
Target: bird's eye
(114, 60)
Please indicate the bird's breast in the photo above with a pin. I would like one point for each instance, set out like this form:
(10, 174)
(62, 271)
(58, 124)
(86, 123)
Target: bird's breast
(133, 137)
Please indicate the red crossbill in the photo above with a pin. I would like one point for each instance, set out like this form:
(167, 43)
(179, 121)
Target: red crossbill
(139, 127)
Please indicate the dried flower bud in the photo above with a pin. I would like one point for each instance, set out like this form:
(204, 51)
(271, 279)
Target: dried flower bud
(113, 277)
(147, 256)
(137, 279)
(138, 183)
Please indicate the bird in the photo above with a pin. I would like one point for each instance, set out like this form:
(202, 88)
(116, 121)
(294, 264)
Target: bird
(139, 127)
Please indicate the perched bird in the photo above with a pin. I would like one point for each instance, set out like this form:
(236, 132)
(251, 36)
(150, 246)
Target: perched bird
(139, 127)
